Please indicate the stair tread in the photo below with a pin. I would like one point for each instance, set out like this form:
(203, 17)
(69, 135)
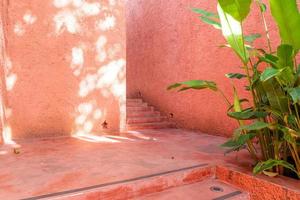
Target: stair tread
(143, 112)
(155, 123)
(197, 190)
(147, 117)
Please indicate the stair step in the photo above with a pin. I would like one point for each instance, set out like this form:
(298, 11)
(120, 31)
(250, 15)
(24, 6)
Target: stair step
(154, 125)
(148, 119)
(138, 186)
(140, 104)
(135, 100)
(142, 116)
(140, 108)
(142, 113)
(133, 104)
(201, 190)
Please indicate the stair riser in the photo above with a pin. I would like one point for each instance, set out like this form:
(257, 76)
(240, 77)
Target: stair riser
(140, 108)
(131, 127)
(131, 114)
(135, 104)
(145, 120)
(134, 100)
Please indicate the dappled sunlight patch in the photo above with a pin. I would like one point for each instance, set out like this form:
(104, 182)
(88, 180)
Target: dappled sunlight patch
(72, 13)
(97, 114)
(19, 29)
(114, 50)
(95, 138)
(122, 108)
(120, 138)
(11, 78)
(140, 135)
(102, 77)
(77, 60)
(87, 85)
(29, 18)
(112, 2)
(10, 81)
(61, 3)
(107, 23)
(7, 136)
(66, 20)
(100, 50)
(3, 152)
(108, 79)
(87, 114)
(90, 9)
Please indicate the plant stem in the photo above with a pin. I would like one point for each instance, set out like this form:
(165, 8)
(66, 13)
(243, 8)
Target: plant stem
(225, 98)
(297, 115)
(295, 155)
(265, 26)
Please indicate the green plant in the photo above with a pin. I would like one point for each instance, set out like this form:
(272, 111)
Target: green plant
(273, 119)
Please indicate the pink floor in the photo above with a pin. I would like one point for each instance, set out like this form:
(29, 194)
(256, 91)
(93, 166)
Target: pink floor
(54, 166)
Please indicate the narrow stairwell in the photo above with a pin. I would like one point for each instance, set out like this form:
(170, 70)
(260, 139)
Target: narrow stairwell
(142, 116)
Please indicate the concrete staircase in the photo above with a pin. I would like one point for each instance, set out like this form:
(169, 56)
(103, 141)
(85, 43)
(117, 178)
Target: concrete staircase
(142, 116)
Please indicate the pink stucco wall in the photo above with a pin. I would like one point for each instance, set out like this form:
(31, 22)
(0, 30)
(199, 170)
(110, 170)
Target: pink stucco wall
(167, 43)
(65, 67)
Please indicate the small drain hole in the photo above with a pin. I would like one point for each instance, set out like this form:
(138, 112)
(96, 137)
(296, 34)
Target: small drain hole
(216, 189)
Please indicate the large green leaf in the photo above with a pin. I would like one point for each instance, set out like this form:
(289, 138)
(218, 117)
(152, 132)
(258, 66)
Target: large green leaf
(205, 13)
(285, 56)
(269, 73)
(208, 17)
(210, 21)
(238, 141)
(285, 63)
(270, 59)
(247, 114)
(295, 94)
(251, 38)
(286, 77)
(276, 96)
(232, 31)
(194, 84)
(287, 17)
(269, 164)
(235, 75)
(289, 134)
(238, 9)
(258, 125)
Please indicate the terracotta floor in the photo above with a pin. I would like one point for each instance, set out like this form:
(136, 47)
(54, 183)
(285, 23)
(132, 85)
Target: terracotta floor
(47, 166)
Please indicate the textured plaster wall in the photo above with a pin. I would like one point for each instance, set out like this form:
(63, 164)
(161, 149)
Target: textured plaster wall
(65, 70)
(2, 65)
(167, 43)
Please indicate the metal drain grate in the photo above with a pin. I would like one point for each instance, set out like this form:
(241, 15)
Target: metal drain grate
(216, 189)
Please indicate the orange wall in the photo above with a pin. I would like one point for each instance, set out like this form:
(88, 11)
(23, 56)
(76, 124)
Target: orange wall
(167, 43)
(65, 70)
